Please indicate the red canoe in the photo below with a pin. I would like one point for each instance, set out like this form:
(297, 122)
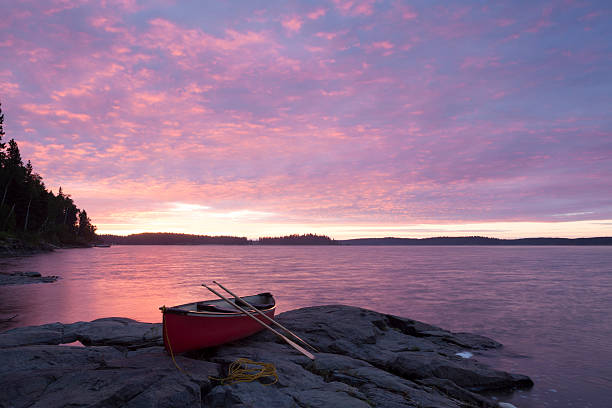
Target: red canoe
(210, 323)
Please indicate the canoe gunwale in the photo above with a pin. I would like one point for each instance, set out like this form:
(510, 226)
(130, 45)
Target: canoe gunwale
(181, 310)
(212, 314)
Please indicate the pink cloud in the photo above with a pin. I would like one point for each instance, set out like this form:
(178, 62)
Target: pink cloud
(180, 41)
(344, 92)
(46, 110)
(74, 92)
(386, 45)
(406, 12)
(409, 15)
(355, 7)
(328, 36)
(318, 13)
(314, 49)
(591, 16)
(255, 118)
(108, 24)
(58, 6)
(480, 62)
(539, 25)
(7, 83)
(8, 42)
(293, 23)
(504, 22)
(130, 6)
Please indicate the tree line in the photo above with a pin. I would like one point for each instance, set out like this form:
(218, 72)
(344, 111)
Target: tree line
(295, 239)
(164, 238)
(29, 210)
(169, 238)
(477, 240)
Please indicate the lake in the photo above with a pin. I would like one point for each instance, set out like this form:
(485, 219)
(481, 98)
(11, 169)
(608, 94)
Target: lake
(550, 306)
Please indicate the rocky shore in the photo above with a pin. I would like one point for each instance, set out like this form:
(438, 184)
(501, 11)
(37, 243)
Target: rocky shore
(23, 278)
(14, 247)
(367, 359)
(10, 247)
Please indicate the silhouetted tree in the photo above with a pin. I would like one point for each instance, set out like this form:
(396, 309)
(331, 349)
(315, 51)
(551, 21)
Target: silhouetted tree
(26, 207)
(295, 239)
(2, 144)
(86, 231)
(168, 238)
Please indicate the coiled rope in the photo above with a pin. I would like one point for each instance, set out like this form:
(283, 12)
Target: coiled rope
(241, 370)
(245, 370)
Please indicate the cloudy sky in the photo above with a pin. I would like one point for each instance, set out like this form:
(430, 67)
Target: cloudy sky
(348, 118)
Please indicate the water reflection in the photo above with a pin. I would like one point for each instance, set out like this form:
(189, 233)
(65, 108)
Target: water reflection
(549, 306)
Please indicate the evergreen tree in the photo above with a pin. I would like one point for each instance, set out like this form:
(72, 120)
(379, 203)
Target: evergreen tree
(13, 159)
(3, 174)
(27, 208)
(2, 144)
(86, 231)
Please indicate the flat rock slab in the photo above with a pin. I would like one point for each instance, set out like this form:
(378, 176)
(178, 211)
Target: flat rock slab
(366, 359)
(59, 376)
(112, 331)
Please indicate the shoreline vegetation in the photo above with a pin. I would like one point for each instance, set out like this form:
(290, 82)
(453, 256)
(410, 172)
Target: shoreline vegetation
(32, 218)
(167, 238)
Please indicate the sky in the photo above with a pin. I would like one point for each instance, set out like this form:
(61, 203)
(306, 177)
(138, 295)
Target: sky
(350, 118)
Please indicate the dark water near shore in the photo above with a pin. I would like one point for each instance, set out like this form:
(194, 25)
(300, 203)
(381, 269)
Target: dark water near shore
(550, 306)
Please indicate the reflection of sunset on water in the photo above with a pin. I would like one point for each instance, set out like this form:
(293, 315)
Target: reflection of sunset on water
(511, 294)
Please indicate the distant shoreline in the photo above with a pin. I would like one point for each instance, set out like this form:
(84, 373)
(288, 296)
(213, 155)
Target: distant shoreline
(480, 241)
(317, 240)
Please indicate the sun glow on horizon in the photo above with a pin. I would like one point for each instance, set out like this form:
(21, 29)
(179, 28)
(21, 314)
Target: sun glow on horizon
(252, 229)
(348, 119)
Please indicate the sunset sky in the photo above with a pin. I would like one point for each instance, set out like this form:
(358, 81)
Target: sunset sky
(346, 118)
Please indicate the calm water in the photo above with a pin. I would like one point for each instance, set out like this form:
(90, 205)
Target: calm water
(550, 306)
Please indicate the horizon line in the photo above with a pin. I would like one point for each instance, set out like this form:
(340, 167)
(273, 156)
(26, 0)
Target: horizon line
(349, 239)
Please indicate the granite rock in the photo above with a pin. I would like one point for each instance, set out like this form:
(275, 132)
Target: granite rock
(365, 359)
(24, 278)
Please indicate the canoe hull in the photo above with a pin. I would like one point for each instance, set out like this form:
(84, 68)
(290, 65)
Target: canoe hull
(195, 330)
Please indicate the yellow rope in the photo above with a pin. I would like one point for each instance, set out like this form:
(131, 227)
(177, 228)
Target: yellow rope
(243, 370)
(163, 308)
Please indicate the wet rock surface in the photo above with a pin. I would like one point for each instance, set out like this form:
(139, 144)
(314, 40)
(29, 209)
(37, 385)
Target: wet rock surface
(366, 359)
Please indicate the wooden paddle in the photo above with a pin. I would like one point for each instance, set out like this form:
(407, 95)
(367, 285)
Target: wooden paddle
(266, 316)
(291, 343)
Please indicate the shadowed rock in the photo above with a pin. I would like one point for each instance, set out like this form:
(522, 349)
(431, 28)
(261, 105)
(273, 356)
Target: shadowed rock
(111, 331)
(366, 359)
(23, 278)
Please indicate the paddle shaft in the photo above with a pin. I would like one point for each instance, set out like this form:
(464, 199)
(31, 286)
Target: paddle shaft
(264, 315)
(291, 343)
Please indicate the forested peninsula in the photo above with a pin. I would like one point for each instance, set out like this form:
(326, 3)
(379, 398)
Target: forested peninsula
(31, 217)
